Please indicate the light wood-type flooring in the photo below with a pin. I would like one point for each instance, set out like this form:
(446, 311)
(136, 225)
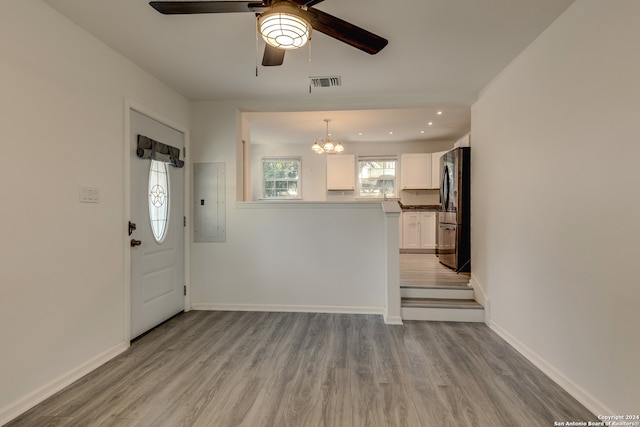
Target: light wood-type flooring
(303, 369)
(425, 270)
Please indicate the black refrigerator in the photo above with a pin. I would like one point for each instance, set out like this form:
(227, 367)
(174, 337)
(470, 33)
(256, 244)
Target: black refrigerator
(453, 244)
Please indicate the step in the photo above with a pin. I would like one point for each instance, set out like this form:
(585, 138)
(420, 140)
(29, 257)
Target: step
(442, 309)
(442, 292)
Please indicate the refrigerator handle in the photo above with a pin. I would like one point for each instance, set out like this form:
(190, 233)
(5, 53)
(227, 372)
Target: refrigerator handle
(445, 189)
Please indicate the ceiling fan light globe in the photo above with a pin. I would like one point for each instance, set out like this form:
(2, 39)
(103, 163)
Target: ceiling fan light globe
(284, 29)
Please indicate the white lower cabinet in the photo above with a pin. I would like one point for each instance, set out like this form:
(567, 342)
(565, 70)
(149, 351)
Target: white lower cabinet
(428, 230)
(418, 230)
(411, 230)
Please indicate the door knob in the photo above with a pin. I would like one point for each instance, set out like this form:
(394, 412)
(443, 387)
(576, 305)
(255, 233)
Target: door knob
(135, 242)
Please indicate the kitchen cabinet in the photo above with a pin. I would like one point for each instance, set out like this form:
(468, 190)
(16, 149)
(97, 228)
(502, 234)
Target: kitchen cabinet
(341, 172)
(415, 171)
(411, 230)
(428, 230)
(465, 141)
(418, 230)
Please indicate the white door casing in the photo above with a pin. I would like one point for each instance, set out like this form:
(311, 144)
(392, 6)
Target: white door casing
(157, 269)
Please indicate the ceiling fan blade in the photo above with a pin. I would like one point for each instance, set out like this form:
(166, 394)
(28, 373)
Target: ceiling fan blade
(345, 31)
(189, 7)
(272, 56)
(307, 3)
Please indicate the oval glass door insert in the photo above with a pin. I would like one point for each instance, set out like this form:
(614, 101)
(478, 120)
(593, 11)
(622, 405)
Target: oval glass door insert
(159, 199)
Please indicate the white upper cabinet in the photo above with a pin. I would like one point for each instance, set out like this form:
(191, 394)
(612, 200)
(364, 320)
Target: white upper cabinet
(415, 171)
(341, 172)
(465, 141)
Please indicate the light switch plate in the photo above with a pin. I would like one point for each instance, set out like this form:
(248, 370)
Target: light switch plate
(89, 195)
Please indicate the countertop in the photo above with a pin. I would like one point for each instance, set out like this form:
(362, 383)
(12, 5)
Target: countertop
(427, 208)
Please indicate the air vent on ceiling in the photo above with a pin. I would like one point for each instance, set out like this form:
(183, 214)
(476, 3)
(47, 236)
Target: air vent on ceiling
(326, 81)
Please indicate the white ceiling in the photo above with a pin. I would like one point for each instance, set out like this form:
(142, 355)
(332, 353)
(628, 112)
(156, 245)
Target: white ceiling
(441, 53)
(379, 125)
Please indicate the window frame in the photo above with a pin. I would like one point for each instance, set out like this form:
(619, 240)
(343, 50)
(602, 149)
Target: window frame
(378, 195)
(159, 214)
(298, 179)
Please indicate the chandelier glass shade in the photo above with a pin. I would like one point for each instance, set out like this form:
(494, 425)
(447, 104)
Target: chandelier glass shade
(326, 145)
(283, 27)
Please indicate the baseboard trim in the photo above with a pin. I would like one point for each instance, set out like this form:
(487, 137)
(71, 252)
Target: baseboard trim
(417, 251)
(393, 320)
(288, 308)
(581, 395)
(480, 295)
(27, 402)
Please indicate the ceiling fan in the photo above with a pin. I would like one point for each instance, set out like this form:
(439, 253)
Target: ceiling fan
(284, 24)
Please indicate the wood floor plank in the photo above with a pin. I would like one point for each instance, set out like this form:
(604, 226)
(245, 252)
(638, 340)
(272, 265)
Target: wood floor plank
(387, 366)
(364, 394)
(210, 382)
(425, 270)
(397, 407)
(430, 406)
(145, 393)
(306, 369)
(279, 365)
(299, 401)
(336, 399)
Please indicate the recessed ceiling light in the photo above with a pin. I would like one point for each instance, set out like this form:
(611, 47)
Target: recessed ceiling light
(439, 113)
(421, 131)
(430, 123)
(360, 133)
(391, 133)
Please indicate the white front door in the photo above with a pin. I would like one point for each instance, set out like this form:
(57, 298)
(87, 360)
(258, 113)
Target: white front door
(157, 252)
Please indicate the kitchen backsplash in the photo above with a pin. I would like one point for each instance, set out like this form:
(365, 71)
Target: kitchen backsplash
(420, 197)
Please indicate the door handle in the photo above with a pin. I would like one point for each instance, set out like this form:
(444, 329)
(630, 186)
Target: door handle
(132, 226)
(135, 242)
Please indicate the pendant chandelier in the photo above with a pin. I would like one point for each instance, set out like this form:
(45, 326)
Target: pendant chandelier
(326, 145)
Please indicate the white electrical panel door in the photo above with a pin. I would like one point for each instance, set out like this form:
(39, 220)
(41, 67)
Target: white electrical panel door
(209, 210)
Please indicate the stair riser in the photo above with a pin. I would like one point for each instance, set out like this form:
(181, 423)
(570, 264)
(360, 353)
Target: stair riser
(436, 293)
(443, 314)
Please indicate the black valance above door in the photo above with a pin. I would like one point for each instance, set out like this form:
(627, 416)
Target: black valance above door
(151, 149)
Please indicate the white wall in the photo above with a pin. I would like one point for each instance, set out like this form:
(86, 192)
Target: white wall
(300, 256)
(62, 300)
(555, 206)
(296, 257)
